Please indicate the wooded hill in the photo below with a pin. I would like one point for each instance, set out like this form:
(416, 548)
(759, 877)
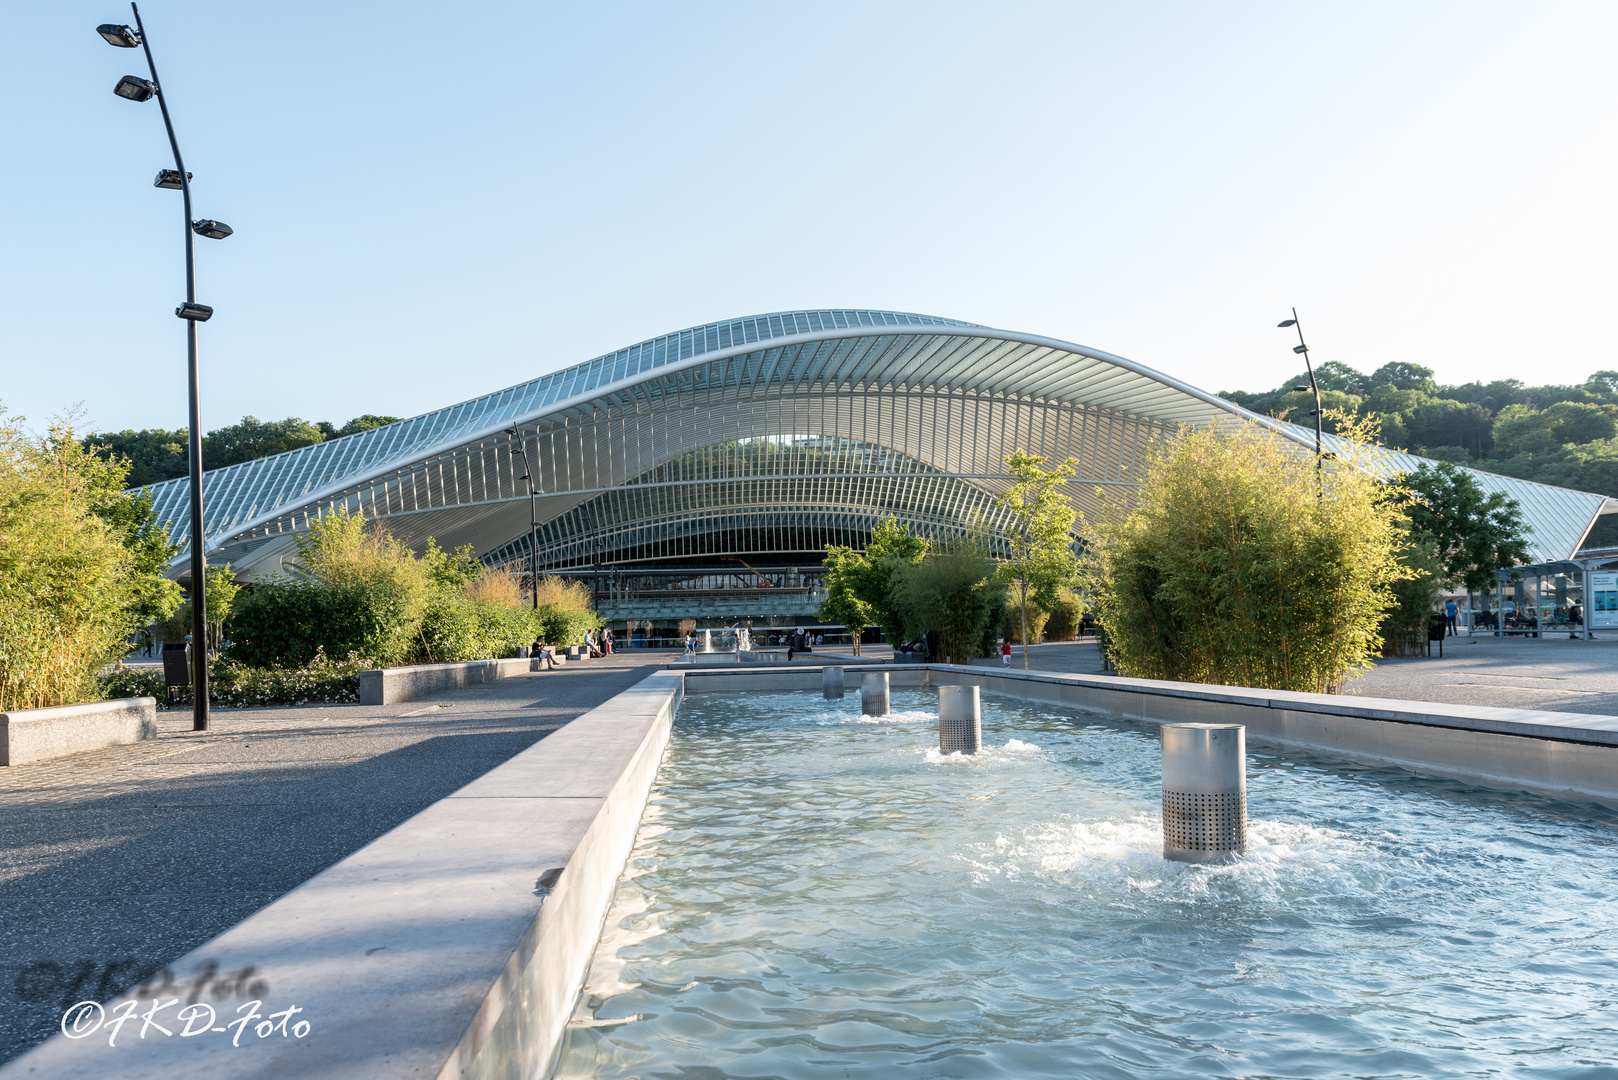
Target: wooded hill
(1562, 435)
(155, 455)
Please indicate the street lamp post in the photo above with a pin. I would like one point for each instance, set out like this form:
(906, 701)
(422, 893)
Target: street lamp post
(134, 88)
(517, 450)
(1302, 349)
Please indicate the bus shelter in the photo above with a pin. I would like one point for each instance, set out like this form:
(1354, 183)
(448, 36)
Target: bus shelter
(1575, 596)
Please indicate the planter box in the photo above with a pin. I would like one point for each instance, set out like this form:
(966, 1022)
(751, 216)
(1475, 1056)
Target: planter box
(42, 734)
(390, 686)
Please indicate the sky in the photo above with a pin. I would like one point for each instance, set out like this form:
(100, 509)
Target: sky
(434, 201)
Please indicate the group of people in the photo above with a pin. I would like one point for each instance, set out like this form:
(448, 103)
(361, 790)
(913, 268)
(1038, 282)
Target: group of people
(598, 644)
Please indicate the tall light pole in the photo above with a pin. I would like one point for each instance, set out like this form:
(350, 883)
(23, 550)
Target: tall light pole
(517, 450)
(1302, 349)
(134, 88)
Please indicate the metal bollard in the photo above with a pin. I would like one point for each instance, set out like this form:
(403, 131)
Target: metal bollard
(874, 693)
(1204, 792)
(831, 682)
(960, 724)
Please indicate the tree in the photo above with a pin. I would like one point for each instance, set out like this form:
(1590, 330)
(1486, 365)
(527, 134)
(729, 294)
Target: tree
(1403, 376)
(153, 455)
(842, 605)
(153, 597)
(1040, 536)
(869, 576)
(1231, 569)
(255, 438)
(1473, 534)
(363, 423)
(953, 590)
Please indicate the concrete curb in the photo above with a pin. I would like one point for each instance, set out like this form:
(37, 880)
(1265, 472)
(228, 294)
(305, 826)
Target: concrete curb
(42, 734)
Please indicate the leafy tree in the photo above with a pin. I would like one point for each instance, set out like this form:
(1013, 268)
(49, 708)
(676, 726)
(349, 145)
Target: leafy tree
(154, 455)
(1040, 536)
(868, 577)
(1403, 376)
(363, 423)
(152, 596)
(254, 438)
(955, 591)
(1472, 534)
(1336, 375)
(1231, 569)
(842, 604)
(1580, 422)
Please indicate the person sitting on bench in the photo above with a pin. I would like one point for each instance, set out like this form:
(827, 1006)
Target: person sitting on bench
(544, 652)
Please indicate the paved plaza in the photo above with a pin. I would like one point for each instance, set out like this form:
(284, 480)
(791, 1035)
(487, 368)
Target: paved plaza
(115, 862)
(1552, 672)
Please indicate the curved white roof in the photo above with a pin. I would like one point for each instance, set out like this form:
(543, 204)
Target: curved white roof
(935, 403)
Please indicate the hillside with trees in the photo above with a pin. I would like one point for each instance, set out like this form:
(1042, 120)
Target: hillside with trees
(155, 455)
(1562, 435)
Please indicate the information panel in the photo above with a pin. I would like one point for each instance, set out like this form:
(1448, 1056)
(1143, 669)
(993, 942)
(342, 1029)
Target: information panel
(1601, 598)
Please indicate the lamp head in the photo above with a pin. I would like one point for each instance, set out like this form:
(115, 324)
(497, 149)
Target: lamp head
(135, 88)
(194, 312)
(1287, 322)
(213, 230)
(118, 34)
(169, 179)
(1300, 389)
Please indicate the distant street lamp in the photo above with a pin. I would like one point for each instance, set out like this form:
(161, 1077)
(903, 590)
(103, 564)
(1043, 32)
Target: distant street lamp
(135, 88)
(517, 450)
(1302, 349)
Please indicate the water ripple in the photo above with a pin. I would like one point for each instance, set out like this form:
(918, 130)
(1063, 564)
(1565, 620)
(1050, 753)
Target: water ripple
(817, 893)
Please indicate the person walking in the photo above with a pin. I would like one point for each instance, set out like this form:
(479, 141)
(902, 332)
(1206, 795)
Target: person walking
(1005, 652)
(1450, 611)
(930, 639)
(606, 641)
(691, 643)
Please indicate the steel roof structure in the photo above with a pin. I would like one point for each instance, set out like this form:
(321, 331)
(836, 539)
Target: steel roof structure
(773, 433)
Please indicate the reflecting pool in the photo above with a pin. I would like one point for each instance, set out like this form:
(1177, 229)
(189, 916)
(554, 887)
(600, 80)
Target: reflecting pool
(815, 893)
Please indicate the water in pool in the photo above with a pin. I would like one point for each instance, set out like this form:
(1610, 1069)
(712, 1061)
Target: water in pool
(817, 894)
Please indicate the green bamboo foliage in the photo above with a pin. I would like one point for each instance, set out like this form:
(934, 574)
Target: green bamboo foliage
(68, 585)
(1239, 565)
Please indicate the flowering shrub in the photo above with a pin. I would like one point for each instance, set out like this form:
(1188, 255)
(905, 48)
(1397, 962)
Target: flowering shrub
(232, 683)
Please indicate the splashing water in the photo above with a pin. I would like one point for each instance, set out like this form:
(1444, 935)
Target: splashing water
(816, 893)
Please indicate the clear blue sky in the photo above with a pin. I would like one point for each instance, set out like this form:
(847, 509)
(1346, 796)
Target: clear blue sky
(437, 200)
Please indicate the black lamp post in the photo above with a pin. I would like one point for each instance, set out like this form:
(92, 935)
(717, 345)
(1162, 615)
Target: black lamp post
(533, 516)
(1302, 349)
(134, 88)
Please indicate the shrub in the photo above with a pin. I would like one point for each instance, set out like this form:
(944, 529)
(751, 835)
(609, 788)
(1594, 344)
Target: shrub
(125, 682)
(1235, 568)
(76, 557)
(1066, 617)
(953, 590)
(1037, 621)
(237, 685)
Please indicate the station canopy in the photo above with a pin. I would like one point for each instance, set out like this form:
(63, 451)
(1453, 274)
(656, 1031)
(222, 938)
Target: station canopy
(767, 436)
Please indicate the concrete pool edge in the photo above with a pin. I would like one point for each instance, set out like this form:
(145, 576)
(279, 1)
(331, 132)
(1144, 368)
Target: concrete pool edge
(1569, 756)
(448, 947)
